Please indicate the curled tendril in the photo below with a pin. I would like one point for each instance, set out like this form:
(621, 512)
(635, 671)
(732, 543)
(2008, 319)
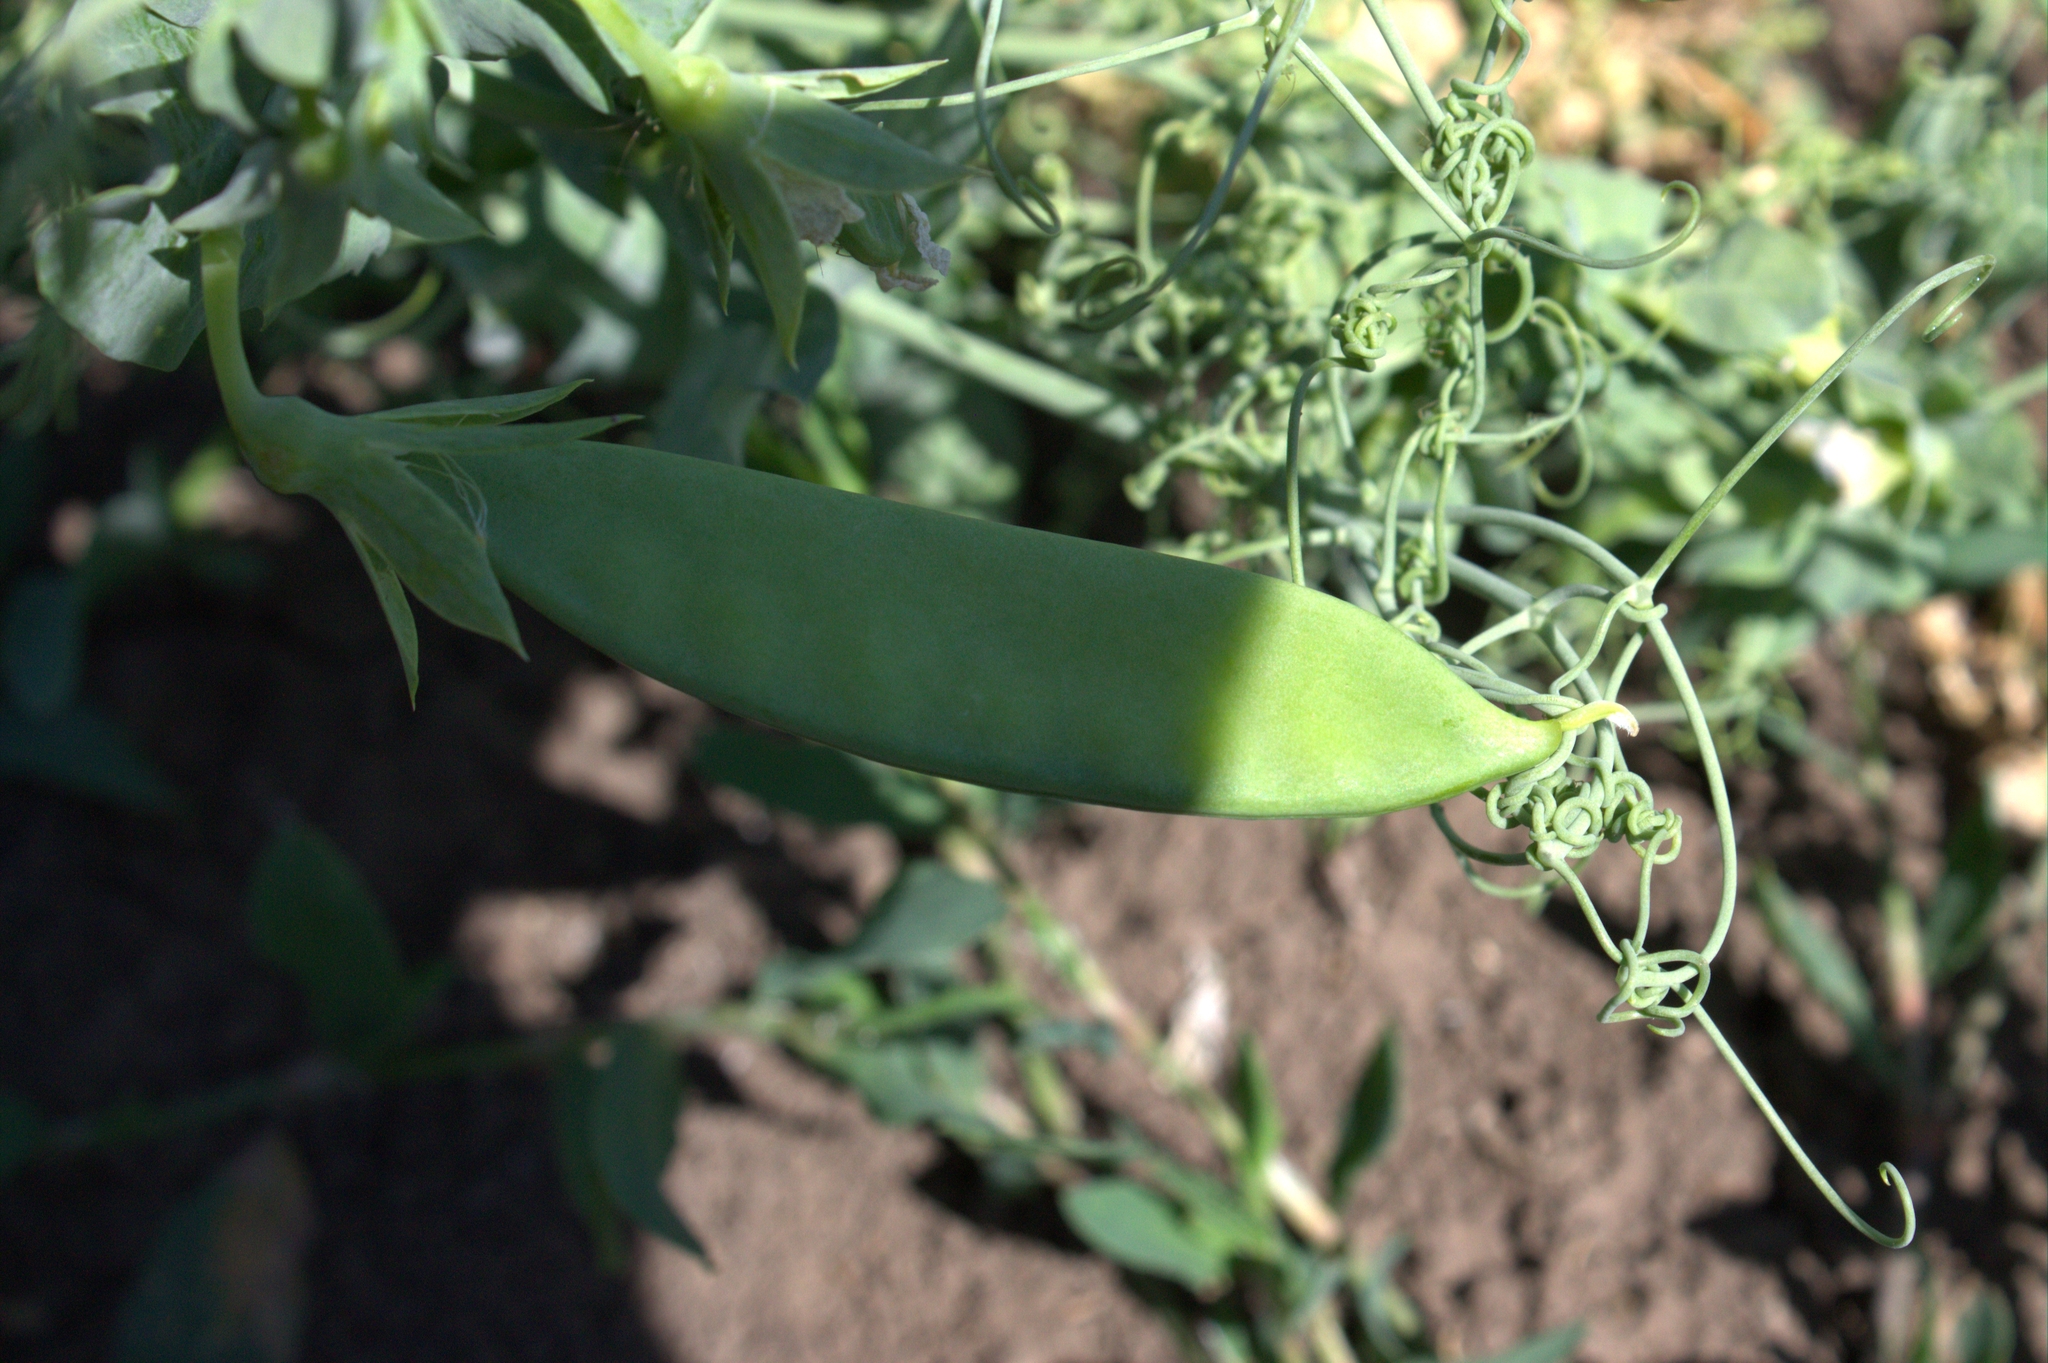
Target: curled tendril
(1478, 154)
(1281, 53)
(1361, 328)
(1495, 232)
(1645, 979)
(1032, 201)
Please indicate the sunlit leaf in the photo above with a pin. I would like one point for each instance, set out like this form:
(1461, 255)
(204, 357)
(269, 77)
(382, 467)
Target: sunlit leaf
(1129, 1224)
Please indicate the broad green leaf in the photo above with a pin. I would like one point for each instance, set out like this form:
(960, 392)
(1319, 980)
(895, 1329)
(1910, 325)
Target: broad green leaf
(732, 362)
(1823, 960)
(1594, 209)
(210, 75)
(1762, 286)
(42, 631)
(1216, 1214)
(1985, 1332)
(394, 188)
(391, 599)
(1372, 1116)
(1129, 1224)
(123, 296)
(253, 190)
(918, 1079)
(572, 1096)
(311, 916)
(290, 41)
(225, 1281)
(130, 202)
(762, 222)
(21, 1128)
(848, 82)
(822, 784)
(436, 552)
(84, 753)
(1259, 1107)
(924, 918)
(555, 29)
(833, 144)
(311, 228)
(633, 1130)
(1553, 1347)
(927, 916)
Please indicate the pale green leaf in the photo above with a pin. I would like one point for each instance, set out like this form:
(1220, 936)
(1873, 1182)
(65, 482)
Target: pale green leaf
(290, 41)
(1762, 286)
(123, 296)
(1129, 1224)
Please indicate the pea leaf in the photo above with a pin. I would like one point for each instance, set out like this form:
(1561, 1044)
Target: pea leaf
(822, 784)
(311, 916)
(761, 220)
(384, 580)
(734, 362)
(919, 924)
(436, 552)
(492, 410)
(848, 82)
(1956, 927)
(254, 189)
(633, 1131)
(915, 1080)
(1261, 1109)
(555, 29)
(1985, 555)
(1129, 1224)
(132, 289)
(1762, 286)
(290, 41)
(41, 641)
(82, 752)
(572, 1096)
(1823, 960)
(831, 143)
(1372, 1116)
(394, 188)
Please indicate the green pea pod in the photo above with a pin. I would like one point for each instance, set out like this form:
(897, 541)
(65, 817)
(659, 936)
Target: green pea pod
(988, 653)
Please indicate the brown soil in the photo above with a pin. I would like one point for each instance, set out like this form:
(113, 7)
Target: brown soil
(1548, 1169)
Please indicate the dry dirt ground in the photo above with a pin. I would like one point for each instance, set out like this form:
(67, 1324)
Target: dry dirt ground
(530, 822)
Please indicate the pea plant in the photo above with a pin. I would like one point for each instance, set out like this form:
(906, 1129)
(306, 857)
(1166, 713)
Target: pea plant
(1464, 412)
